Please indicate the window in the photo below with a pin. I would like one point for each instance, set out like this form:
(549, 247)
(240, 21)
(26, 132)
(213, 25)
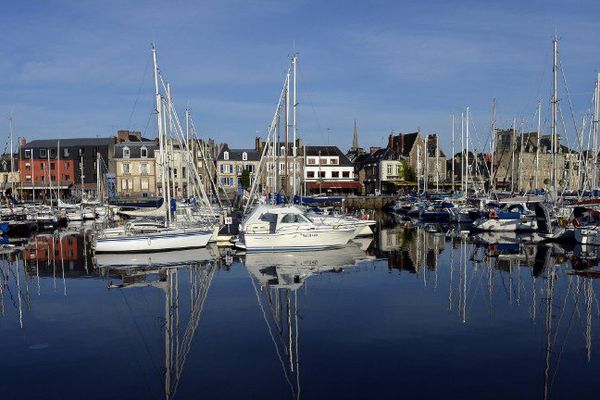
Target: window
(66, 152)
(124, 184)
(144, 152)
(53, 178)
(244, 156)
(333, 161)
(335, 174)
(183, 171)
(27, 153)
(226, 155)
(52, 166)
(126, 152)
(346, 174)
(43, 153)
(42, 165)
(66, 165)
(67, 177)
(323, 161)
(42, 179)
(52, 153)
(390, 169)
(27, 178)
(125, 168)
(310, 174)
(144, 169)
(145, 184)
(27, 166)
(175, 172)
(321, 174)
(282, 150)
(311, 161)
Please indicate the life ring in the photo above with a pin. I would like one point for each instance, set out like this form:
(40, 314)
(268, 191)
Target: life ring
(493, 214)
(576, 223)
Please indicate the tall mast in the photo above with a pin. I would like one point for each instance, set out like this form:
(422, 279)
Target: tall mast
(554, 140)
(492, 182)
(513, 145)
(537, 150)
(437, 164)
(32, 175)
(462, 152)
(294, 105)
(169, 143)
(521, 187)
(159, 123)
(12, 158)
(452, 153)
(58, 169)
(467, 155)
(595, 133)
(98, 184)
(287, 133)
(187, 155)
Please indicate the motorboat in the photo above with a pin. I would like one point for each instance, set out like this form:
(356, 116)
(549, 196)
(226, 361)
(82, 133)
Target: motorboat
(285, 227)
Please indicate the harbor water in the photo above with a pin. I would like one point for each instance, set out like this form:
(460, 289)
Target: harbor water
(420, 312)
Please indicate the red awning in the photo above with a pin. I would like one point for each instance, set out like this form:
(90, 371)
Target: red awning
(333, 185)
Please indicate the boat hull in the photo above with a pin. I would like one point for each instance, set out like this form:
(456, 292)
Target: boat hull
(163, 241)
(306, 240)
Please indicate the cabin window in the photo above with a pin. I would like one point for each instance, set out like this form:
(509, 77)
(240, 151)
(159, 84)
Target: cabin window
(144, 152)
(244, 156)
(226, 155)
(290, 219)
(126, 152)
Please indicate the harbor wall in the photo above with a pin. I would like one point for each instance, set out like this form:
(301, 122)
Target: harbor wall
(368, 202)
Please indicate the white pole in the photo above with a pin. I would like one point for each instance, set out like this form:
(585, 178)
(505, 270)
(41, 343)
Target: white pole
(467, 155)
(294, 121)
(595, 132)
(492, 183)
(554, 112)
(462, 152)
(537, 151)
(12, 159)
(453, 153)
(160, 134)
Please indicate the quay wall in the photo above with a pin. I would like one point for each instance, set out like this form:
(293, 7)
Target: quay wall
(368, 202)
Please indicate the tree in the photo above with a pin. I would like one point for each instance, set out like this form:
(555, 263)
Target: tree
(409, 173)
(245, 179)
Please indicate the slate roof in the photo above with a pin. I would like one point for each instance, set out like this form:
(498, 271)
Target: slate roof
(236, 154)
(74, 142)
(386, 153)
(325, 151)
(135, 149)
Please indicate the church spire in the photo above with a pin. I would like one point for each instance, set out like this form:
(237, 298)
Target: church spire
(355, 137)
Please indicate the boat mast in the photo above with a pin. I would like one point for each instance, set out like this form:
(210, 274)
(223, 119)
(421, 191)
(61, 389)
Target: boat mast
(294, 106)
(462, 151)
(58, 170)
(159, 123)
(595, 132)
(467, 156)
(537, 150)
(169, 143)
(493, 147)
(554, 111)
(513, 146)
(12, 158)
(286, 188)
(187, 154)
(520, 187)
(452, 153)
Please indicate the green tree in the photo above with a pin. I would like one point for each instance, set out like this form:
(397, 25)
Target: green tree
(245, 179)
(409, 173)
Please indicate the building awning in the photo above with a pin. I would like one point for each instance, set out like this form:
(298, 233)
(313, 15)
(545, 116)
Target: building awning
(333, 185)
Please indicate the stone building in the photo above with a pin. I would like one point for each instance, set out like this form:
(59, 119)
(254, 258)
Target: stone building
(515, 161)
(136, 169)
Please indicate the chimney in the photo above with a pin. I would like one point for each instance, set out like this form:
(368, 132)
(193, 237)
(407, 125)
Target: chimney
(373, 149)
(258, 144)
(391, 140)
(22, 142)
(401, 149)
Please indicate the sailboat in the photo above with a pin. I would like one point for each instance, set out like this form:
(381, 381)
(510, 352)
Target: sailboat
(136, 237)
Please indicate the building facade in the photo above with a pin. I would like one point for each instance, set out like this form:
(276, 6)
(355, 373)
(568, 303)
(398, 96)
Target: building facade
(231, 164)
(328, 170)
(136, 169)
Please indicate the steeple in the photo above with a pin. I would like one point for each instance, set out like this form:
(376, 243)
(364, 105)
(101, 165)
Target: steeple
(355, 138)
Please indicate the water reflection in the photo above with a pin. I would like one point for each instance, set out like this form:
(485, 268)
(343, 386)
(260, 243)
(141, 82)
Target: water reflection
(495, 294)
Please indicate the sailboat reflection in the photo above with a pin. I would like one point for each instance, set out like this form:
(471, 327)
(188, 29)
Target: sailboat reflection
(177, 341)
(157, 259)
(276, 278)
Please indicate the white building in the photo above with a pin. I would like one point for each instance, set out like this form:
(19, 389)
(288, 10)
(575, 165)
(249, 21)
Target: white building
(328, 170)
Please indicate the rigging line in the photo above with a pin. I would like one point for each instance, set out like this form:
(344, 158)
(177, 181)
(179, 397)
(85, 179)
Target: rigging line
(312, 105)
(137, 98)
(561, 67)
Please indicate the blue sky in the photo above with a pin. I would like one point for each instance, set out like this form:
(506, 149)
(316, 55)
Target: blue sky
(81, 68)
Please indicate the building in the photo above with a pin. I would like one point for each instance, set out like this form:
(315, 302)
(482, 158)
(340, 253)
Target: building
(515, 166)
(231, 164)
(68, 164)
(9, 178)
(328, 170)
(385, 170)
(135, 169)
(435, 169)
(355, 151)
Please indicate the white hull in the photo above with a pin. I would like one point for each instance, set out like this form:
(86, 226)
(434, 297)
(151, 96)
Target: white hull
(179, 257)
(505, 225)
(171, 239)
(297, 240)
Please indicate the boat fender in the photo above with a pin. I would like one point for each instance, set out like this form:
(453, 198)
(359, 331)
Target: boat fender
(493, 214)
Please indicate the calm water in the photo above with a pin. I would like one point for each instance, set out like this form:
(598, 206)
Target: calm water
(411, 314)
